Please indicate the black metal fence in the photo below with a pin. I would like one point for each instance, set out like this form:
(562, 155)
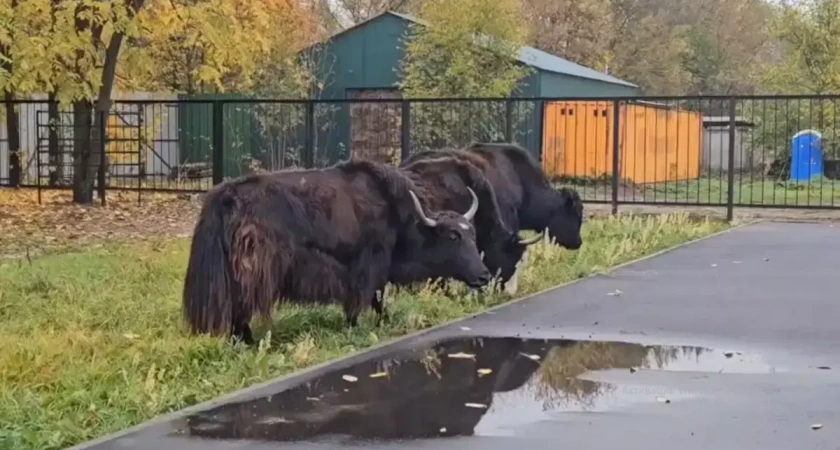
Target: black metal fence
(756, 151)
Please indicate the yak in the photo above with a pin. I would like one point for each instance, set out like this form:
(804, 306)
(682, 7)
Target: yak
(525, 198)
(317, 235)
(447, 182)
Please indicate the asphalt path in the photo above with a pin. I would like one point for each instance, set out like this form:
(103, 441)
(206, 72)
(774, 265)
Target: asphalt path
(731, 342)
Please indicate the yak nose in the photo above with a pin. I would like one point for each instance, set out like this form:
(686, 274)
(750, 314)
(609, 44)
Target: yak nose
(483, 279)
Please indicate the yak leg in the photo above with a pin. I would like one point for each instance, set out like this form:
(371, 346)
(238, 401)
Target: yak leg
(378, 304)
(369, 273)
(240, 328)
(242, 332)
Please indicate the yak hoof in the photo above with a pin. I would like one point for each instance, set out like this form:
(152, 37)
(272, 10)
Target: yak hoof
(243, 334)
(383, 318)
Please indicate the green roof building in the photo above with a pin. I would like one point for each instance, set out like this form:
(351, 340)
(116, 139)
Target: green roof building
(363, 62)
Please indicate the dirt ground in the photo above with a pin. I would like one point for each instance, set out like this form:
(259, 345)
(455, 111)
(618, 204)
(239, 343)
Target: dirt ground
(28, 228)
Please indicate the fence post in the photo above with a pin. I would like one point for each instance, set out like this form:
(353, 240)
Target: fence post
(218, 142)
(730, 194)
(508, 120)
(616, 149)
(405, 130)
(309, 159)
(540, 111)
(13, 144)
(103, 119)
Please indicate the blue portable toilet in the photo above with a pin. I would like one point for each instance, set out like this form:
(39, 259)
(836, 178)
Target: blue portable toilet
(806, 159)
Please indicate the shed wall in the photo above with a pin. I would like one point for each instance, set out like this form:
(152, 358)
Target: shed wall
(657, 145)
(716, 148)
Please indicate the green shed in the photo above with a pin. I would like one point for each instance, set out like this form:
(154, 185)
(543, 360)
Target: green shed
(363, 62)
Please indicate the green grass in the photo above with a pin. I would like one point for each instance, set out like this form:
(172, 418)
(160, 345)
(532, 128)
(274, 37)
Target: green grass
(714, 190)
(93, 342)
(819, 191)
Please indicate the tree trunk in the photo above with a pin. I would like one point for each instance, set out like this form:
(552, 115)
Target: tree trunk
(56, 160)
(89, 157)
(13, 131)
(82, 131)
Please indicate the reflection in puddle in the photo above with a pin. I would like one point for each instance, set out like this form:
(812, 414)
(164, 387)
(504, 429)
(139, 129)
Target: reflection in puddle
(446, 390)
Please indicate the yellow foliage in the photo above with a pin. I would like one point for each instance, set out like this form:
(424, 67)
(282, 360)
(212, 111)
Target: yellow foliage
(469, 49)
(171, 45)
(60, 46)
(215, 44)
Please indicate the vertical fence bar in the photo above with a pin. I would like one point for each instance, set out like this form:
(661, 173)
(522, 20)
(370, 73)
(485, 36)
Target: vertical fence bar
(730, 194)
(540, 111)
(218, 142)
(103, 119)
(508, 120)
(309, 159)
(37, 160)
(616, 148)
(405, 130)
(140, 168)
(13, 142)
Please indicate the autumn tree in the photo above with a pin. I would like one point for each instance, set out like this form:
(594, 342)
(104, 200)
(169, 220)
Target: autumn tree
(667, 48)
(464, 49)
(99, 29)
(577, 30)
(335, 15)
(728, 45)
(69, 48)
(8, 11)
(807, 62)
(214, 45)
(30, 63)
(810, 31)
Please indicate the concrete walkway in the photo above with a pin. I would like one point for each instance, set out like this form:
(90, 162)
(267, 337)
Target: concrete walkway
(731, 342)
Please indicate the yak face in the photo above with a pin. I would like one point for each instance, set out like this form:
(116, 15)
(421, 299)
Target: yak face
(566, 219)
(444, 246)
(502, 253)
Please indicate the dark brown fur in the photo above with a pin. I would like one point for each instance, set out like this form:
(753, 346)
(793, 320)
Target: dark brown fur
(311, 236)
(444, 181)
(526, 199)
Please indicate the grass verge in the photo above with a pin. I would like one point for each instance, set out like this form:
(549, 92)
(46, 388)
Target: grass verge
(93, 342)
(715, 190)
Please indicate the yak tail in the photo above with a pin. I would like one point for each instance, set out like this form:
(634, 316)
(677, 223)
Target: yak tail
(231, 270)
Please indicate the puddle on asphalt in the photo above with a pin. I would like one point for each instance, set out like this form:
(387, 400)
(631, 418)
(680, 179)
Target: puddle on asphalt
(459, 387)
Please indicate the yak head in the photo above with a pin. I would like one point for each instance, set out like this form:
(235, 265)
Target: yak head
(565, 218)
(503, 250)
(443, 245)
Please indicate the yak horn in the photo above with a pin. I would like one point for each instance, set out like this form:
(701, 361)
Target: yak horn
(419, 209)
(473, 208)
(532, 240)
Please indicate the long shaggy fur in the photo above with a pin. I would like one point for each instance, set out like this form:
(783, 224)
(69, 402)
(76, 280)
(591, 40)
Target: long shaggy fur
(526, 198)
(305, 235)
